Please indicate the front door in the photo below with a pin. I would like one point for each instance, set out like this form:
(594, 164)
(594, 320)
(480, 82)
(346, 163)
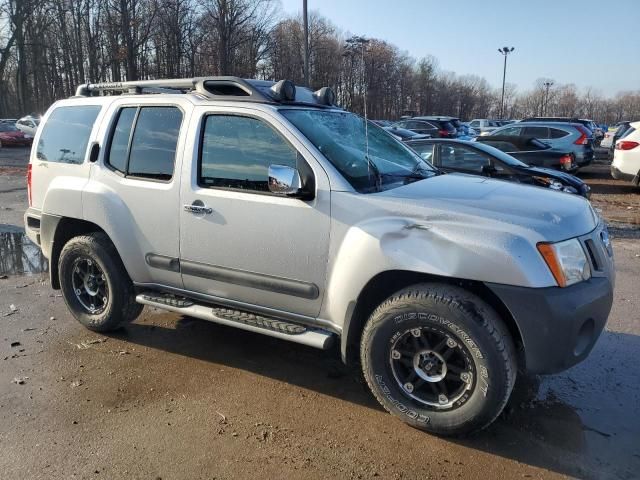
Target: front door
(245, 244)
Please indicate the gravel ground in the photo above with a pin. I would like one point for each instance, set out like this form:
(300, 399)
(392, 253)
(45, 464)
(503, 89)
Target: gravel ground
(171, 397)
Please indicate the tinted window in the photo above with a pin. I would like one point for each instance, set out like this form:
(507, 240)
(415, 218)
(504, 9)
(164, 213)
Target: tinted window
(459, 157)
(65, 136)
(153, 148)
(510, 132)
(475, 123)
(538, 132)
(120, 141)
(447, 126)
(237, 152)
(557, 133)
(425, 126)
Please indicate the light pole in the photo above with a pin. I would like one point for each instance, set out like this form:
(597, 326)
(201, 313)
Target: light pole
(505, 51)
(547, 85)
(305, 18)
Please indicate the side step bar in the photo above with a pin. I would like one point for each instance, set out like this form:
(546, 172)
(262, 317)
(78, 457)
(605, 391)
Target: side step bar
(272, 327)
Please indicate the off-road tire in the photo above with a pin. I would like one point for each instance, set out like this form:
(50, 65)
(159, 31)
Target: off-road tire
(121, 306)
(466, 319)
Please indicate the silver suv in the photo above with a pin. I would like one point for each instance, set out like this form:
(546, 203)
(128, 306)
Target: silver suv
(263, 206)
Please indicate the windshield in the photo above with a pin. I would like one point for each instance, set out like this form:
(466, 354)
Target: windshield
(341, 138)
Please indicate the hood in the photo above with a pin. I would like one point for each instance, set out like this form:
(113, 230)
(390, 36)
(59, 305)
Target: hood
(508, 206)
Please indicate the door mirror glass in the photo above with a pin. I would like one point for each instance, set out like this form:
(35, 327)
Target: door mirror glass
(284, 180)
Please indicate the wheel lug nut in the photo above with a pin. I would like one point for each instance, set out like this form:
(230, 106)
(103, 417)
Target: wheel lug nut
(415, 332)
(395, 354)
(451, 343)
(465, 377)
(408, 387)
(78, 292)
(442, 399)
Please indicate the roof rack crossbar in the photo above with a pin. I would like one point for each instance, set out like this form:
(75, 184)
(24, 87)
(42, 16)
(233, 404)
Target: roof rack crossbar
(196, 84)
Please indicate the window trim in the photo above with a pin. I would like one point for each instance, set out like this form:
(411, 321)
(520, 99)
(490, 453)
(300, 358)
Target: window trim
(134, 124)
(203, 124)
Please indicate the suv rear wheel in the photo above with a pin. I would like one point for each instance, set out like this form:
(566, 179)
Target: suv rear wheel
(95, 285)
(439, 358)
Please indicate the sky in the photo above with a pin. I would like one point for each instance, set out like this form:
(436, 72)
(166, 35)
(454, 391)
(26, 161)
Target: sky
(588, 42)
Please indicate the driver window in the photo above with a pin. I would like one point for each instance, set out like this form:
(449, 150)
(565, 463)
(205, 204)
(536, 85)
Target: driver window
(458, 157)
(237, 151)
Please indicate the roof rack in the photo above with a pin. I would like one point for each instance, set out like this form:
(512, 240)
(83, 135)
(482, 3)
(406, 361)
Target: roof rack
(218, 88)
(211, 87)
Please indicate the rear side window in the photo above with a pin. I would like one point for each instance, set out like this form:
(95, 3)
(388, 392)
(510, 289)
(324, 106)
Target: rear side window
(150, 151)
(65, 136)
(237, 151)
(537, 132)
(557, 133)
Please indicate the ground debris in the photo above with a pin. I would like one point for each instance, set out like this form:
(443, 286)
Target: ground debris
(20, 380)
(76, 383)
(29, 329)
(4, 277)
(12, 309)
(222, 416)
(15, 344)
(87, 343)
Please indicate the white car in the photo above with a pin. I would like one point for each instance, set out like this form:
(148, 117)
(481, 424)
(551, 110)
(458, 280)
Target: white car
(28, 125)
(607, 140)
(626, 158)
(484, 126)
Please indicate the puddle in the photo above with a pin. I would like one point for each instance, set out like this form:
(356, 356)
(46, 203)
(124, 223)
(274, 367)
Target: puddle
(19, 255)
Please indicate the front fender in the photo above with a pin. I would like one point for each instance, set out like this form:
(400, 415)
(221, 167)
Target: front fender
(448, 248)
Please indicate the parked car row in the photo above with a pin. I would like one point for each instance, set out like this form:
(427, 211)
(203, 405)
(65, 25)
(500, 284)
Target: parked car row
(18, 132)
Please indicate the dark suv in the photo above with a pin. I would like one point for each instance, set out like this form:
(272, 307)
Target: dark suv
(598, 135)
(434, 126)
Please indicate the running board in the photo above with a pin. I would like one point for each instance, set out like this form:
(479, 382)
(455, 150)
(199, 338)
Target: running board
(293, 332)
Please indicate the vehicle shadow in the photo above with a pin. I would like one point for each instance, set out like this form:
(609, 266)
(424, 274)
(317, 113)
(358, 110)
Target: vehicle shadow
(556, 423)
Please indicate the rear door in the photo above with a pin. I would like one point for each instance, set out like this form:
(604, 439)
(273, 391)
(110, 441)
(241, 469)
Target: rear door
(134, 192)
(251, 247)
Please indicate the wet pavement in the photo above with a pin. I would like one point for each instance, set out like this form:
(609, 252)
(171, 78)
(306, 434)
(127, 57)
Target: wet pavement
(175, 397)
(18, 254)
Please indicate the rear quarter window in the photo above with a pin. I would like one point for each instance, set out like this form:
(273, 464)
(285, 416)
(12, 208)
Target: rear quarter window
(65, 135)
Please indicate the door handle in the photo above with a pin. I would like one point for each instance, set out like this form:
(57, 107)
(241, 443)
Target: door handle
(198, 209)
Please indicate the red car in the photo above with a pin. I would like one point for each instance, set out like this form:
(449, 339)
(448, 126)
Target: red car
(11, 136)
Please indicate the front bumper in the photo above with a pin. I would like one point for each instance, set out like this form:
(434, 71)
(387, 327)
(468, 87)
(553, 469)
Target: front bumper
(558, 326)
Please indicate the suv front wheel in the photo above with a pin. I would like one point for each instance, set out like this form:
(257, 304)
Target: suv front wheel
(95, 285)
(439, 358)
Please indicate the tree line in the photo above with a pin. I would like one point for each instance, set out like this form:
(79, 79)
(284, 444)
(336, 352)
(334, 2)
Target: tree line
(49, 47)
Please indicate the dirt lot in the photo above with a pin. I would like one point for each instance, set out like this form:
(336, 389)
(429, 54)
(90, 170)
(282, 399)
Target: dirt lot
(172, 397)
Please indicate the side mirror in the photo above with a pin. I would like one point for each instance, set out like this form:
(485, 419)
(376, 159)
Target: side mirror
(284, 181)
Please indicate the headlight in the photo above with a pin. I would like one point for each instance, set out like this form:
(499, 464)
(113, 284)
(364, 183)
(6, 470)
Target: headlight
(567, 261)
